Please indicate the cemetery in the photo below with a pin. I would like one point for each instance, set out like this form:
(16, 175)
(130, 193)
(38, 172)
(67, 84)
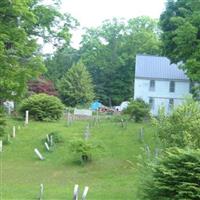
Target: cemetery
(34, 165)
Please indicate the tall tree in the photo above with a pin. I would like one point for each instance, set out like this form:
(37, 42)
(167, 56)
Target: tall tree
(76, 87)
(22, 22)
(109, 53)
(180, 23)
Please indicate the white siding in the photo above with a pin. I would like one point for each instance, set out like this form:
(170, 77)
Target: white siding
(161, 94)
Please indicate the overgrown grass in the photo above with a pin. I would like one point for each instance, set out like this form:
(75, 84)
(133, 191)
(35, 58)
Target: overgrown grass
(112, 174)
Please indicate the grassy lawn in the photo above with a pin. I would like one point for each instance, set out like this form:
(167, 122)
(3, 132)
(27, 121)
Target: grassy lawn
(111, 175)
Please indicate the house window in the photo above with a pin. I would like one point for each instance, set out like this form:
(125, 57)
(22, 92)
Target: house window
(172, 86)
(152, 85)
(151, 102)
(171, 104)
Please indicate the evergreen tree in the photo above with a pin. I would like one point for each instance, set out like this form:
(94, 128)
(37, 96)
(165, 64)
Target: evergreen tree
(76, 86)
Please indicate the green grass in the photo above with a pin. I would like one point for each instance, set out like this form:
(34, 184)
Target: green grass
(112, 174)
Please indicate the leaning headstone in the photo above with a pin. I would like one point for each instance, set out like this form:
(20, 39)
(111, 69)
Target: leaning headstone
(75, 197)
(14, 132)
(26, 117)
(85, 192)
(39, 154)
(41, 191)
(47, 146)
(1, 145)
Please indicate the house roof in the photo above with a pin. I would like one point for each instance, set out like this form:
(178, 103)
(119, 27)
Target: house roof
(149, 66)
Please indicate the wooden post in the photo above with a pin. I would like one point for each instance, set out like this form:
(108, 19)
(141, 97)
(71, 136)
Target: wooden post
(85, 192)
(26, 117)
(75, 197)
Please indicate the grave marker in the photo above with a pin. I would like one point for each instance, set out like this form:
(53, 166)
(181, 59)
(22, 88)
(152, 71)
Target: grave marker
(1, 145)
(148, 151)
(26, 117)
(41, 191)
(85, 192)
(48, 140)
(51, 140)
(141, 134)
(39, 154)
(47, 146)
(75, 197)
(14, 132)
(87, 133)
(156, 153)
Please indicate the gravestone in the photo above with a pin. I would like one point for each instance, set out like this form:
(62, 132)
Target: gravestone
(141, 134)
(85, 192)
(51, 140)
(41, 191)
(75, 196)
(1, 145)
(47, 146)
(156, 153)
(87, 133)
(39, 154)
(148, 151)
(14, 132)
(26, 117)
(48, 140)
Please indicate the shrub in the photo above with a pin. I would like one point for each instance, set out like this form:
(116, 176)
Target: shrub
(43, 107)
(2, 124)
(83, 149)
(181, 128)
(57, 138)
(138, 110)
(175, 177)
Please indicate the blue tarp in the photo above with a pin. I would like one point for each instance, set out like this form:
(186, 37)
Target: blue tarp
(95, 105)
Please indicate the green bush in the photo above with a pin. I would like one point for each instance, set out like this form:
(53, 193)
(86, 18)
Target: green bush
(177, 176)
(2, 124)
(181, 128)
(57, 138)
(138, 110)
(83, 149)
(43, 107)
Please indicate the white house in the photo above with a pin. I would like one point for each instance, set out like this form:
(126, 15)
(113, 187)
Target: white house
(160, 83)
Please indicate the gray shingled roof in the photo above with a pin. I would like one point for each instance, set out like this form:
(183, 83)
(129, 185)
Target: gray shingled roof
(157, 67)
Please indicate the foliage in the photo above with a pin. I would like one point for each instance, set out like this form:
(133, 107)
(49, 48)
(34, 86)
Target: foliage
(57, 138)
(109, 54)
(22, 23)
(83, 149)
(180, 23)
(176, 176)
(43, 107)
(42, 85)
(76, 86)
(181, 128)
(138, 110)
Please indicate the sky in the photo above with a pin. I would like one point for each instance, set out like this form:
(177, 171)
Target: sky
(90, 13)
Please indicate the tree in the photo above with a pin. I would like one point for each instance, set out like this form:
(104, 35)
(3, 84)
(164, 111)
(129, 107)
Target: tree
(42, 85)
(109, 53)
(76, 86)
(180, 23)
(176, 176)
(22, 22)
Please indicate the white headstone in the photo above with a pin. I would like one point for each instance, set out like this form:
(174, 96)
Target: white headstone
(87, 133)
(39, 154)
(75, 197)
(1, 145)
(85, 192)
(48, 140)
(47, 146)
(41, 191)
(14, 132)
(26, 117)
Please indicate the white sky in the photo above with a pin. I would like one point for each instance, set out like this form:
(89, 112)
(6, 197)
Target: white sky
(90, 13)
